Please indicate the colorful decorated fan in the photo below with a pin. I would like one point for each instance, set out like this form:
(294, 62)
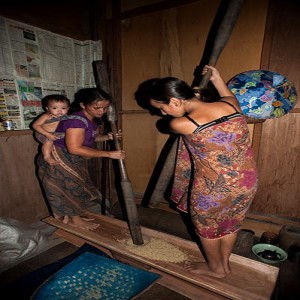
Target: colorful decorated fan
(263, 94)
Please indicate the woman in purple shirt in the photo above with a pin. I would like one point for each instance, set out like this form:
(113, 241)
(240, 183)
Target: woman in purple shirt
(67, 184)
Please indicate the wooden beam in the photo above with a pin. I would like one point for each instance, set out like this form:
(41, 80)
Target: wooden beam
(154, 7)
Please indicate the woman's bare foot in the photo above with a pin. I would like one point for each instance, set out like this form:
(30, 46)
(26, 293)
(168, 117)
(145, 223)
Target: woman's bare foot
(63, 219)
(202, 269)
(77, 221)
(227, 269)
(66, 219)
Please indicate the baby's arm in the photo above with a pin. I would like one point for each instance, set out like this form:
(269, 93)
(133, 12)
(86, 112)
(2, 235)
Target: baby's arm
(38, 127)
(218, 82)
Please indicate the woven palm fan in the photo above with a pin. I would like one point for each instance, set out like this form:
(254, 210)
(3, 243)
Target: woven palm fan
(263, 94)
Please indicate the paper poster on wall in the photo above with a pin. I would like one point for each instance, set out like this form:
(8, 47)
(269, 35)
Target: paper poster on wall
(9, 102)
(59, 88)
(52, 88)
(25, 50)
(57, 57)
(6, 63)
(30, 93)
(69, 91)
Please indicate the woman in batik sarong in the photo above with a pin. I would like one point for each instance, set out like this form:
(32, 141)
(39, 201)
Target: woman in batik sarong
(67, 185)
(215, 176)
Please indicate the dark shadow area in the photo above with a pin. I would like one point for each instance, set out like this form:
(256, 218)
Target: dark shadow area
(163, 126)
(157, 171)
(142, 96)
(143, 100)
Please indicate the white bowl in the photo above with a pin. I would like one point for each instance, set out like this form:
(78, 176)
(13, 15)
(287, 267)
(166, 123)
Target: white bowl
(258, 249)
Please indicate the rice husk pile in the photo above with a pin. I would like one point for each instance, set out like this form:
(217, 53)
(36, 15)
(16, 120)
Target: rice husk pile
(158, 250)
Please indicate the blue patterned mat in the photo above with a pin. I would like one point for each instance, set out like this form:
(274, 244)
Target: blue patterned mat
(91, 276)
(86, 274)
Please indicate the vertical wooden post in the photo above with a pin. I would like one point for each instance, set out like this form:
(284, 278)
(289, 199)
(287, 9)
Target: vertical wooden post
(101, 78)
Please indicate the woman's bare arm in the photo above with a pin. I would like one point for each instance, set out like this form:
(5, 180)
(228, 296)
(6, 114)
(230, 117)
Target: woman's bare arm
(74, 139)
(218, 82)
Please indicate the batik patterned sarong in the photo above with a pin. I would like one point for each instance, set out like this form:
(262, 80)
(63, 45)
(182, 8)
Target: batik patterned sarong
(67, 184)
(215, 176)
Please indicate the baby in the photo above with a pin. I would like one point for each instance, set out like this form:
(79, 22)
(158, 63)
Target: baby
(56, 106)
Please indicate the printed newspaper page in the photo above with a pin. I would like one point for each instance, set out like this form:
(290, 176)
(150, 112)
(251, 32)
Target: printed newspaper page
(58, 88)
(9, 102)
(58, 60)
(85, 53)
(6, 62)
(30, 94)
(25, 50)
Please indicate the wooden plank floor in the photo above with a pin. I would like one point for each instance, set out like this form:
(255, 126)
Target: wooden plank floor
(249, 279)
(57, 252)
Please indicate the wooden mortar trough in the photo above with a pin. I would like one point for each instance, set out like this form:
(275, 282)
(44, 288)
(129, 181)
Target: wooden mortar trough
(249, 280)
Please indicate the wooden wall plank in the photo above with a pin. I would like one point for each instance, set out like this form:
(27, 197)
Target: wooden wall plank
(141, 132)
(20, 193)
(279, 169)
(279, 152)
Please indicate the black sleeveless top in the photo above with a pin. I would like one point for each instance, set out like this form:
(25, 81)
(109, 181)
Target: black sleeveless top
(217, 121)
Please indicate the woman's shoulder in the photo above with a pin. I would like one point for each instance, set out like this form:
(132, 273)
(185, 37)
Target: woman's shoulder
(211, 111)
(74, 120)
(182, 125)
(230, 101)
(223, 106)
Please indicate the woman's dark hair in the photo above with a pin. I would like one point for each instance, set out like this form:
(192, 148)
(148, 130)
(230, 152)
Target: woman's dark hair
(207, 94)
(54, 97)
(166, 88)
(88, 96)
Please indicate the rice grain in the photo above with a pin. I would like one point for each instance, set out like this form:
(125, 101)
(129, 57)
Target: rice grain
(157, 249)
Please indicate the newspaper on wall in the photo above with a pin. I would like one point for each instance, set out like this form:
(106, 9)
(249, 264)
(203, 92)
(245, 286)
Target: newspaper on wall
(10, 106)
(35, 63)
(30, 94)
(6, 62)
(24, 49)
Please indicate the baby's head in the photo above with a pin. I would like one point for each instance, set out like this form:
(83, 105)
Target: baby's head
(57, 105)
